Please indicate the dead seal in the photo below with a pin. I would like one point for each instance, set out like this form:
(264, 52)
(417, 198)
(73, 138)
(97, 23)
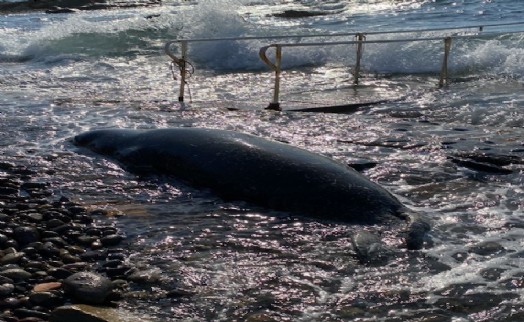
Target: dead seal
(238, 166)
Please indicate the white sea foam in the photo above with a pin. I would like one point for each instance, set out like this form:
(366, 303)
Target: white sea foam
(106, 33)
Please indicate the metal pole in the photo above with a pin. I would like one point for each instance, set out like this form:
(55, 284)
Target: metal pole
(356, 74)
(183, 71)
(444, 71)
(275, 104)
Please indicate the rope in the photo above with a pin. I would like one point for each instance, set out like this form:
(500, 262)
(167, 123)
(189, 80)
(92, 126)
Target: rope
(188, 71)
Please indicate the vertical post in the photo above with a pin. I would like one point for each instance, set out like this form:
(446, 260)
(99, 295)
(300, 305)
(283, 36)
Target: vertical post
(275, 104)
(183, 71)
(444, 71)
(360, 38)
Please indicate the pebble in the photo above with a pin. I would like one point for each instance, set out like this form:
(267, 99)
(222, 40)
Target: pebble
(45, 287)
(111, 240)
(27, 313)
(6, 289)
(59, 273)
(3, 238)
(46, 299)
(87, 313)
(31, 319)
(88, 287)
(144, 276)
(26, 234)
(370, 249)
(46, 258)
(11, 258)
(16, 274)
(10, 303)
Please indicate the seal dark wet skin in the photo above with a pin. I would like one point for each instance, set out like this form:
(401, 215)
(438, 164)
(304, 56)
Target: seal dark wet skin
(271, 174)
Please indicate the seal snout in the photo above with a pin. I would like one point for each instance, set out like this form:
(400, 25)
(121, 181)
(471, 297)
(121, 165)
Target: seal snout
(82, 139)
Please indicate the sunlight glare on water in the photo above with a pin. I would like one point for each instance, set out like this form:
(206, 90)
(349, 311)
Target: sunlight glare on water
(452, 153)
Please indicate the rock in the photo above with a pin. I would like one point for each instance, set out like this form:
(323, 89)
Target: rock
(25, 235)
(370, 249)
(67, 6)
(178, 293)
(45, 299)
(5, 280)
(87, 287)
(492, 273)
(48, 250)
(118, 271)
(145, 276)
(53, 223)
(93, 255)
(61, 10)
(111, 240)
(59, 272)
(31, 319)
(27, 313)
(4, 165)
(87, 313)
(11, 258)
(8, 191)
(34, 185)
(76, 267)
(6, 289)
(35, 217)
(3, 239)
(45, 287)
(487, 248)
(299, 14)
(16, 274)
(86, 240)
(75, 210)
(10, 303)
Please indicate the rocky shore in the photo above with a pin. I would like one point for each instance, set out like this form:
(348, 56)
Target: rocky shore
(59, 261)
(64, 6)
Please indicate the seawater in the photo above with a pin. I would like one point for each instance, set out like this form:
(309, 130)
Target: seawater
(62, 74)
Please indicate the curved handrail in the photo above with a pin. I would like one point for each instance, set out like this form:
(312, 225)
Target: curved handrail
(263, 56)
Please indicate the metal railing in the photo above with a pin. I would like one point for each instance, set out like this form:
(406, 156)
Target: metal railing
(475, 31)
(182, 61)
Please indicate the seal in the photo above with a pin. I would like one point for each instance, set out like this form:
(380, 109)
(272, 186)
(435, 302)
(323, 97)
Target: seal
(238, 166)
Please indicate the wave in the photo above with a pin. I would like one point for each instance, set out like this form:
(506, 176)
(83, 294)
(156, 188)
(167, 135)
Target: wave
(125, 33)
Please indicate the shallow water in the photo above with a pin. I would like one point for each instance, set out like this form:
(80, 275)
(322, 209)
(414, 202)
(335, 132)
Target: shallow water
(64, 74)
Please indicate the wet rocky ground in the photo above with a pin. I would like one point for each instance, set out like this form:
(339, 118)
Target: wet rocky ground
(62, 261)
